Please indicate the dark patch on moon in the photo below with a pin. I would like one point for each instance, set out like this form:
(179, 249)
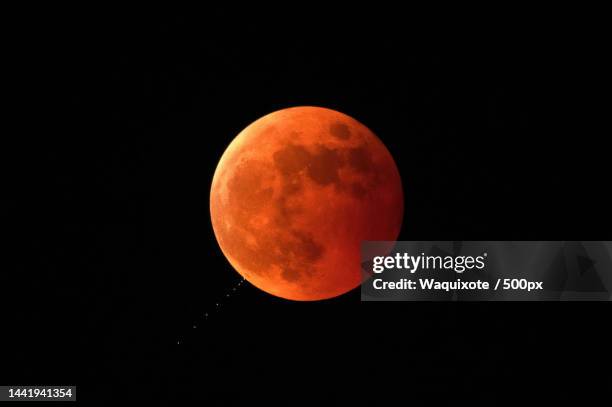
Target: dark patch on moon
(309, 250)
(321, 166)
(324, 165)
(301, 255)
(290, 274)
(340, 130)
(359, 159)
(284, 213)
(291, 159)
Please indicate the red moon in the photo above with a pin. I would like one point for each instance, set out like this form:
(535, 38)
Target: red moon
(293, 196)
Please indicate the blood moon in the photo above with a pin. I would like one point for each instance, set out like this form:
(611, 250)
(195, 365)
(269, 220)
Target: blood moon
(293, 196)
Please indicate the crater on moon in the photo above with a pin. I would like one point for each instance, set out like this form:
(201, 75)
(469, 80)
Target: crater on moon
(294, 195)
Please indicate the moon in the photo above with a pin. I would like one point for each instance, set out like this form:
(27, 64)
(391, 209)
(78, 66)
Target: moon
(295, 194)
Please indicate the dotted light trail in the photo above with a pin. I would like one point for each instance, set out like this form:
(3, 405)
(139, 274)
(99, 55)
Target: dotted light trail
(218, 305)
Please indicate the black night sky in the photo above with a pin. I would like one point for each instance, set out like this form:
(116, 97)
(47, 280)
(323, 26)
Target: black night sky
(112, 265)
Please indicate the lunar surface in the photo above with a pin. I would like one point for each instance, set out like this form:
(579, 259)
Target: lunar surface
(294, 195)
